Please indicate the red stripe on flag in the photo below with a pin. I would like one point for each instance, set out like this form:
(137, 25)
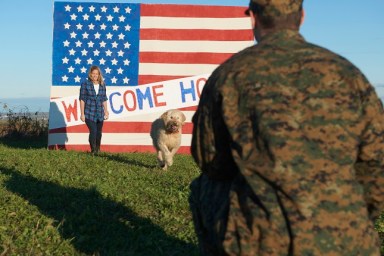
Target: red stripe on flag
(184, 58)
(194, 108)
(147, 79)
(196, 34)
(117, 127)
(198, 11)
(119, 148)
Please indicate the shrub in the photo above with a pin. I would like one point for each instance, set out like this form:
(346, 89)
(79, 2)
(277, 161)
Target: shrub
(19, 122)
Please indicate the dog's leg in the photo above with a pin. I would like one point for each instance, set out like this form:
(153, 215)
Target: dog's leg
(164, 151)
(169, 158)
(160, 159)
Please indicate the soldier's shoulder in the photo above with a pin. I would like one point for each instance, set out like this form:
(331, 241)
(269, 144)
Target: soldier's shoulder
(323, 54)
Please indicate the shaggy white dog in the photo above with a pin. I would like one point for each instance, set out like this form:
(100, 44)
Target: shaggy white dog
(166, 136)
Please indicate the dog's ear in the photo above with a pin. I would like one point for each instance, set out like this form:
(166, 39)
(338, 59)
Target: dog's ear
(183, 118)
(164, 116)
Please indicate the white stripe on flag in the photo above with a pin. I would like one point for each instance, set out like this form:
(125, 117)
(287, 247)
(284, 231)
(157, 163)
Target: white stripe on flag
(177, 69)
(193, 46)
(195, 23)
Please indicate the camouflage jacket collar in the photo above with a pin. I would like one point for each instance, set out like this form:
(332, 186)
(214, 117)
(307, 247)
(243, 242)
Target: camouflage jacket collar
(282, 36)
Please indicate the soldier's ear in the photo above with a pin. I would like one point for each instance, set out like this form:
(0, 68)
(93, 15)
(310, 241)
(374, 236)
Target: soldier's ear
(253, 19)
(302, 17)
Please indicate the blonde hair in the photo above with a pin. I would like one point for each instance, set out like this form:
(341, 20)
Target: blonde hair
(101, 79)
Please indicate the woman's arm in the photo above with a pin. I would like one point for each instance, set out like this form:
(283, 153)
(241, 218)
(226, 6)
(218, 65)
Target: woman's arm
(82, 107)
(106, 112)
(82, 99)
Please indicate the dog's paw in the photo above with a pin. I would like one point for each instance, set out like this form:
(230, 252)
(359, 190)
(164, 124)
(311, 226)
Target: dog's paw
(170, 162)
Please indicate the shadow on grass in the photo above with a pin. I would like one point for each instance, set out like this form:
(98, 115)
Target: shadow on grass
(25, 143)
(96, 225)
(124, 160)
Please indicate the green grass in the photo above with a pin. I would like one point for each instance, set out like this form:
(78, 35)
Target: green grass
(72, 203)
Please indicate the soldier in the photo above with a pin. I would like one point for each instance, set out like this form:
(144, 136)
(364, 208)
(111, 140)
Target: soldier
(290, 140)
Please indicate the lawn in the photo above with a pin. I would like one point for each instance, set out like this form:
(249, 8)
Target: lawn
(72, 203)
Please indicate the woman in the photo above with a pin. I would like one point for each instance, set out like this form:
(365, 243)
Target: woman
(93, 106)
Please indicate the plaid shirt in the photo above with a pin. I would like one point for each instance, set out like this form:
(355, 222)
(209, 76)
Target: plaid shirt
(94, 109)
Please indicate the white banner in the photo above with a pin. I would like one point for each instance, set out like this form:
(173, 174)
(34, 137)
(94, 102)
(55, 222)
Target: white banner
(133, 100)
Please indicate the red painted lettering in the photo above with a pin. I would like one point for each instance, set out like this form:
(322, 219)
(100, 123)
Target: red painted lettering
(198, 89)
(133, 108)
(157, 94)
(70, 110)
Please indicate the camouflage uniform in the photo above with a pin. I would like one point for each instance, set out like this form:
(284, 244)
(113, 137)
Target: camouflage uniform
(289, 138)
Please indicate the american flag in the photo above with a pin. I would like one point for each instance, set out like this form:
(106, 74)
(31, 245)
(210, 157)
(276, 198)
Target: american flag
(136, 44)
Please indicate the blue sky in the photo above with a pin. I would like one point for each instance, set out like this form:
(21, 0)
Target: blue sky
(352, 28)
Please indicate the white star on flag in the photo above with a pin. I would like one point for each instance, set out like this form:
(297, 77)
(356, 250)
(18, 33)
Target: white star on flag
(121, 18)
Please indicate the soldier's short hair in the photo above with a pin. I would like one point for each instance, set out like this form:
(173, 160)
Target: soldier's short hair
(271, 17)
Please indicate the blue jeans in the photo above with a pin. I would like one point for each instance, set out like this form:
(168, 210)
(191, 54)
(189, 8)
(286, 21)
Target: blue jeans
(95, 130)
